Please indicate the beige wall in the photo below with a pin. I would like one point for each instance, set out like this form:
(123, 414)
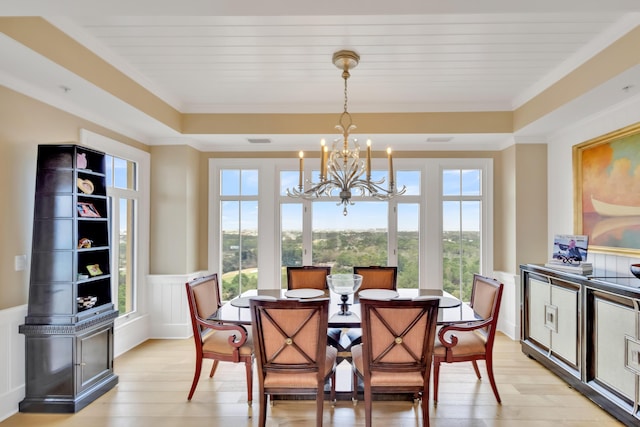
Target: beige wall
(175, 208)
(504, 213)
(25, 123)
(530, 205)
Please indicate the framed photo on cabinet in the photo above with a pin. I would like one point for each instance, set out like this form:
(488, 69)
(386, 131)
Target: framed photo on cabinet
(87, 210)
(606, 173)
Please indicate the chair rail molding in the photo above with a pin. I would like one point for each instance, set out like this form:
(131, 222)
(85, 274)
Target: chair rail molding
(168, 308)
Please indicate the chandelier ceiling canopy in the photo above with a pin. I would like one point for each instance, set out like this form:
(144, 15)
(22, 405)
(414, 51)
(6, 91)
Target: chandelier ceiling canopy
(342, 172)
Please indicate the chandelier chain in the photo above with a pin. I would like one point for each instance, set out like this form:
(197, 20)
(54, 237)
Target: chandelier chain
(346, 96)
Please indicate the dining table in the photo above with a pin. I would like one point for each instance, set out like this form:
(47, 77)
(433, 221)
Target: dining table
(451, 311)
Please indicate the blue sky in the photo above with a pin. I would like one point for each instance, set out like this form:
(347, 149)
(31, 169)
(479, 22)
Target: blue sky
(364, 214)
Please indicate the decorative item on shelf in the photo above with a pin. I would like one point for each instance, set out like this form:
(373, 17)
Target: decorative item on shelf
(86, 302)
(87, 210)
(94, 269)
(342, 170)
(344, 285)
(82, 276)
(84, 243)
(570, 254)
(635, 270)
(81, 160)
(85, 185)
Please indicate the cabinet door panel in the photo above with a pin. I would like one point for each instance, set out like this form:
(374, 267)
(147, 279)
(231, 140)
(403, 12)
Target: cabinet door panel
(50, 374)
(613, 323)
(95, 354)
(564, 341)
(538, 298)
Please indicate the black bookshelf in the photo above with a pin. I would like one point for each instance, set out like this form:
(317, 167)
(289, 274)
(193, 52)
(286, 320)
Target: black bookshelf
(69, 325)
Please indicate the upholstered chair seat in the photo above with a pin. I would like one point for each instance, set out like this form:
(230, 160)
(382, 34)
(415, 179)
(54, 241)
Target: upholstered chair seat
(472, 342)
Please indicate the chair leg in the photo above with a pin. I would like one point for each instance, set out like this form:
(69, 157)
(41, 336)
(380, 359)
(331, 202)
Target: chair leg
(319, 404)
(356, 383)
(425, 408)
(213, 368)
(263, 408)
(367, 405)
(475, 368)
(249, 371)
(494, 387)
(436, 378)
(196, 376)
(332, 395)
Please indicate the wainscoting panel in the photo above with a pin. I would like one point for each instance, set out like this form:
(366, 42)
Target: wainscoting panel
(168, 305)
(509, 319)
(11, 360)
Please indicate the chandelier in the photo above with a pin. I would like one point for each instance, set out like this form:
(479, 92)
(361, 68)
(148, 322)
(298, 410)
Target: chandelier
(342, 171)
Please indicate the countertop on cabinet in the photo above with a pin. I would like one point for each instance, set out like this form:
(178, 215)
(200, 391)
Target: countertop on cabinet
(628, 286)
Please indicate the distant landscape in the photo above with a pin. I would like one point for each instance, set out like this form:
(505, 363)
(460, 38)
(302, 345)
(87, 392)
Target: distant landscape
(343, 250)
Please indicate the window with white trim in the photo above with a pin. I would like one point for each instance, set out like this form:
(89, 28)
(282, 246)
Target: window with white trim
(406, 231)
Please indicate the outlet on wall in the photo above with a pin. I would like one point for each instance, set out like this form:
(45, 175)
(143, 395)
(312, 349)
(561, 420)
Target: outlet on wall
(20, 262)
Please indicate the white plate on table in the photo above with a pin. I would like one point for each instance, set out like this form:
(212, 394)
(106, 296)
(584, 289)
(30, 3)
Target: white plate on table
(304, 293)
(445, 302)
(380, 294)
(244, 302)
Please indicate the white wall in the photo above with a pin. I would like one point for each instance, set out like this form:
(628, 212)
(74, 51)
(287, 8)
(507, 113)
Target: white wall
(560, 174)
(559, 166)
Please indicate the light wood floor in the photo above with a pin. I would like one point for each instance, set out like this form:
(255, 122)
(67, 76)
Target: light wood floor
(155, 379)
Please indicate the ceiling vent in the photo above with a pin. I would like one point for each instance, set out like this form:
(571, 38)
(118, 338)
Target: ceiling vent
(259, 140)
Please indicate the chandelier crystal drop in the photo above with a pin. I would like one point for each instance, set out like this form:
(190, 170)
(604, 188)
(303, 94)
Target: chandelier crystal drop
(342, 171)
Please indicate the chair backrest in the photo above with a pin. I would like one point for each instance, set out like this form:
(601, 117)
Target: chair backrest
(377, 277)
(203, 295)
(486, 295)
(308, 276)
(290, 336)
(398, 335)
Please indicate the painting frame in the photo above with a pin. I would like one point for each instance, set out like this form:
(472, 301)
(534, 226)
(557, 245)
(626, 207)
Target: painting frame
(605, 208)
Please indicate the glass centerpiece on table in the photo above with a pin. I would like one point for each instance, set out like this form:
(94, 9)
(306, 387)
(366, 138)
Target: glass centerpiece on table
(344, 285)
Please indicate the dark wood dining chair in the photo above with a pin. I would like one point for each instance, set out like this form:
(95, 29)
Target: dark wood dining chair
(377, 277)
(222, 343)
(291, 350)
(473, 342)
(396, 351)
(373, 277)
(308, 276)
(315, 277)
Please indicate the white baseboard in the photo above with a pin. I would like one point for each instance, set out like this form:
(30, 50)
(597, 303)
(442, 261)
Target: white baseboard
(130, 333)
